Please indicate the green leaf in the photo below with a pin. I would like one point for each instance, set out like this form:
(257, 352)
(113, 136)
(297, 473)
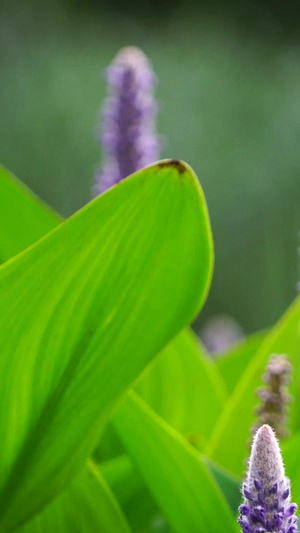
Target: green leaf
(291, 457)
(129, 488)
(233, 363)
(109, 446)
(184, 361)
(23, 217)
(86, 309)
(179, 385)
(229, 484)
(238, 415)
(176, 475)
(86, 506)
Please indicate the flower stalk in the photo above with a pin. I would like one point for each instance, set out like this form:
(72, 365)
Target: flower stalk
(274, 396)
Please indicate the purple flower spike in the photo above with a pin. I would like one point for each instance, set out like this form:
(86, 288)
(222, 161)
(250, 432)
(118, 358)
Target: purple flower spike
(267, 503)
(274, 396)
(128, 131)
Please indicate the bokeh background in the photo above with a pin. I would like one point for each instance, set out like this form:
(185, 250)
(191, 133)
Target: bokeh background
(229, 93)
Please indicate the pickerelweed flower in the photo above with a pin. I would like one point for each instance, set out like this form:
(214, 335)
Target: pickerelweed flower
(274, 396)
(267, 503)
(128, 134)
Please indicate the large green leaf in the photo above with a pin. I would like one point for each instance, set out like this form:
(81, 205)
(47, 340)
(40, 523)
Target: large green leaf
(183, 366)
(238, 416)
(181, 383)
(23, 217)
(86, 309)
(174, 472)
(86, 506)
(233, 363)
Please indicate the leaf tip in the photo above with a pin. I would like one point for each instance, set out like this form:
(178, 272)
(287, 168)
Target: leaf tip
(176, 164)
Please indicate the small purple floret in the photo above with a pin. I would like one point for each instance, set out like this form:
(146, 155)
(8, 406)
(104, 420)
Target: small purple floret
(267, 507)
(244, 509)
(128, 133)
(273, 490)
(257, 484)
(247, 494)
(291, 509)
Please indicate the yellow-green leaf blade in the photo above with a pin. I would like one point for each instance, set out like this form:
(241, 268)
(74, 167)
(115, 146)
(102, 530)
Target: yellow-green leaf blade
(86, 506)
(233, 363)
(181, 383)
(175, 473)
(24, 218)
(87, 308)
(130, 490)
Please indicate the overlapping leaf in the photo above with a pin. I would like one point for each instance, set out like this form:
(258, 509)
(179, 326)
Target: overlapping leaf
(23, 217)
(236, 420)
(129, 488)
(174, 472)
(233, 363)
(86, 309)
(180, 384)
(87, 505)
(291, 457)
(229, 484)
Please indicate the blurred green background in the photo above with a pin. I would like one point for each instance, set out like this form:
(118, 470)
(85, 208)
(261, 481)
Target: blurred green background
(229, 92)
